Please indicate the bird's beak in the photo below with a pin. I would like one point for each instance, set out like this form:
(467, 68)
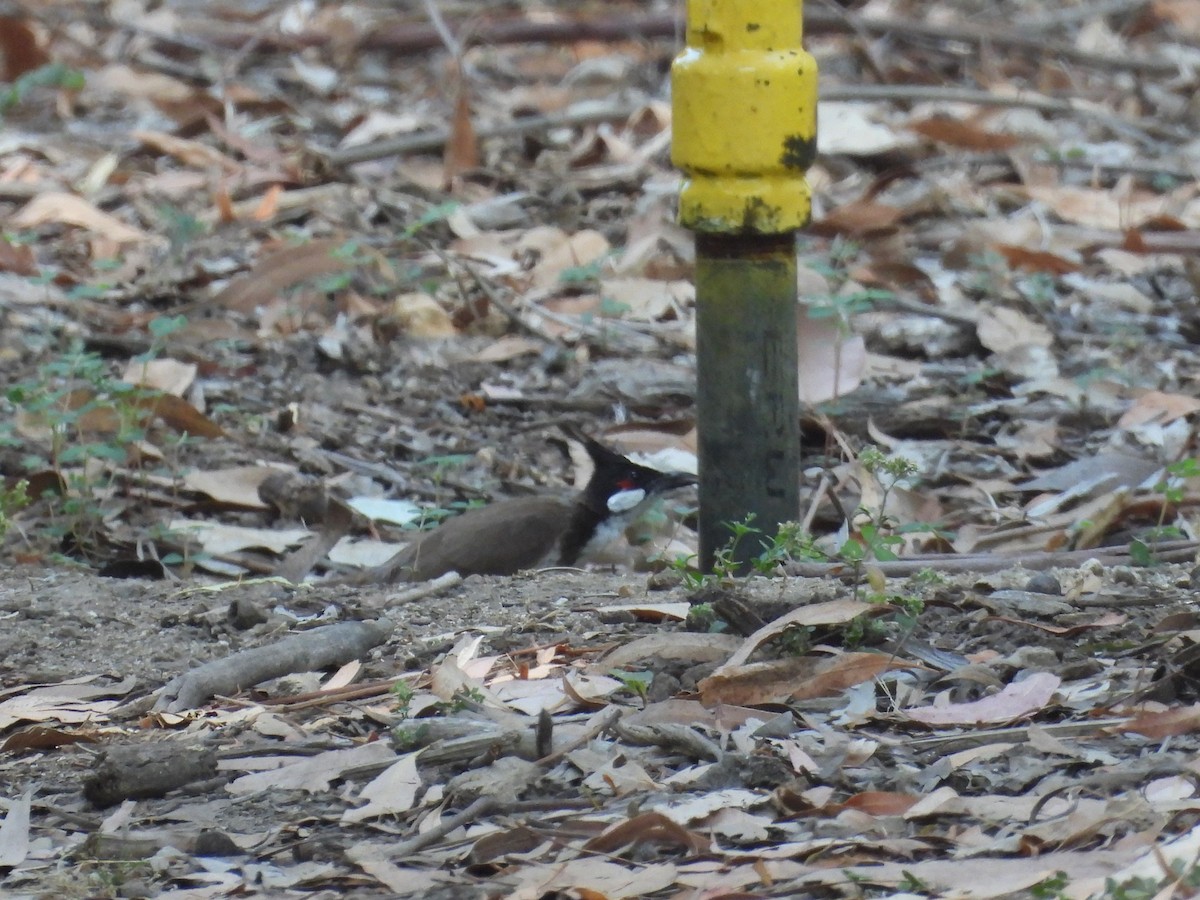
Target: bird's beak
(672, 480)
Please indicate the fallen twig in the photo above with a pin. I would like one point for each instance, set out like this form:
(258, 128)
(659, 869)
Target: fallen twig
(329, 645)
(428, 141)
(1174, 551)
(413, 37)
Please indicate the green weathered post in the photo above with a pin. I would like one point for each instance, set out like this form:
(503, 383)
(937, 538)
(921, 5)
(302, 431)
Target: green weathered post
(744, 118)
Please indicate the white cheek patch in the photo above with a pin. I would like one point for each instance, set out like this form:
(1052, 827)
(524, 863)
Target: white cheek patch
(623, 501)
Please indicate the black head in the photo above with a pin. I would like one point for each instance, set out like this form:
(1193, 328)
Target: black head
(619, 485)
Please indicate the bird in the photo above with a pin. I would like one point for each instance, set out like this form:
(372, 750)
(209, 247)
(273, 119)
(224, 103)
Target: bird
(521, 533)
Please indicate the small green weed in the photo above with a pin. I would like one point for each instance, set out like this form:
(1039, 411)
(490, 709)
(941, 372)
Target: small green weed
(1050, 888)
(51, 75)
(637, 683)
(431, 216)
(12, 501)
(877, 538)
(432, 516)
(583, 275)
(79, 420)
(180, 227)
(463, 699)
(1184, 879)
(701, 617)
(403, 693)
(1173, 489)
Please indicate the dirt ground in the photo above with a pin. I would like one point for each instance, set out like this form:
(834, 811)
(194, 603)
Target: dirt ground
(110, 643)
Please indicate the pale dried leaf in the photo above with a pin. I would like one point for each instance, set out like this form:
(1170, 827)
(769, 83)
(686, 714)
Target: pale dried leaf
(59, 208)
(391, 792)
(1017, 700)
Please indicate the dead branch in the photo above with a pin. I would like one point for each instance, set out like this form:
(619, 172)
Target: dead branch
(320, 648)
(411, 37)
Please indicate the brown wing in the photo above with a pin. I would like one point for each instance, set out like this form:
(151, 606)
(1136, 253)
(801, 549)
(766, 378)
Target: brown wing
(498, 539)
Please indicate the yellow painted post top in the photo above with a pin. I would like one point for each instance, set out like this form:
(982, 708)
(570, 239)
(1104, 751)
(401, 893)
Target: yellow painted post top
(744, 117)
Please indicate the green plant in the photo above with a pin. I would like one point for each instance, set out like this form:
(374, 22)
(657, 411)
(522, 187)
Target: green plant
(637, 683)
(928, 576)
(403, 693)
(585, 274)
(180, 227)
(82, 419)
(51, 75)
(979, 376)
(985, 268)
(431, 516)
(463, 699)
(701, 617)
(431, 216)
(1050, 888)
(835, 261)
(843, 307)
(692, 577)
(790, 543)
(613, 309)
(795, 641)
(1039, 289)
(910, 883)
(12, 501)
(1183, 879)
(186, 558)
(725, 561)
(877, 539)
(1173, 490)
(85, 416)
(409, 737)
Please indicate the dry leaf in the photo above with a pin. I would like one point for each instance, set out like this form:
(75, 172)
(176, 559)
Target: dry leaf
(59, 208)
(17, 258)
(860, 219)
(1015, 702)
(967, 135)
(1160, 724)
(390, 793)
(1159, 408)
(834, 612)
(796, 679)
(695, 648)
(237, 486)
(857, 129)
(268, 206)
(1035, 260)
(462, 147)
(14, 831)
(312, 774)
(219, 539)
(832, 363)
(1002, 329)
(163, 374)
(650, 828)
(21, 52)
(181, 416)
(281, 269)
(190, 153)
(420, 316)
(647, 299)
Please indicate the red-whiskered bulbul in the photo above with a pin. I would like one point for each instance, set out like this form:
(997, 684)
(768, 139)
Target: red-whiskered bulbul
(532, 532)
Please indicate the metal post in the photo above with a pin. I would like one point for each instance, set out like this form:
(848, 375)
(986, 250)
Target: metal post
(744, 118)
